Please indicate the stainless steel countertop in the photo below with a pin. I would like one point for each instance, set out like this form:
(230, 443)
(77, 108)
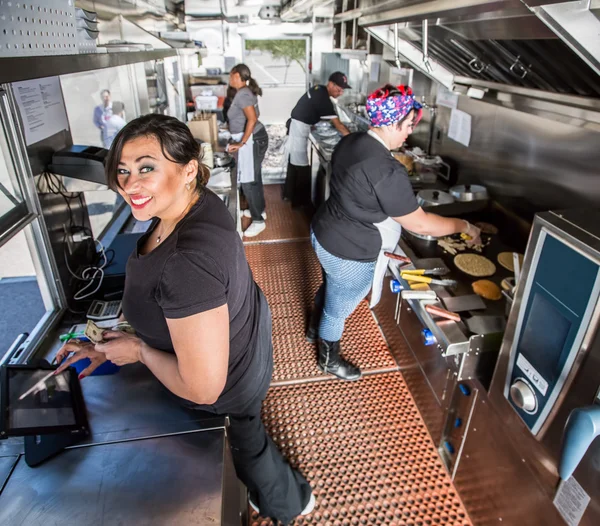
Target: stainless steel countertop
(322, 149)
(147, 460)
(129, 405)
(166, 480)
(231, 193)
(6, 465)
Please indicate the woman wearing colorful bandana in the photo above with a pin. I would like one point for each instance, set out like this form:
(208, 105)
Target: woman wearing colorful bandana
(370, 200)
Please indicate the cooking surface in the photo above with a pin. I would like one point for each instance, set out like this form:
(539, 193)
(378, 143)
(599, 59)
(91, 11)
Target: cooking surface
(425, 249)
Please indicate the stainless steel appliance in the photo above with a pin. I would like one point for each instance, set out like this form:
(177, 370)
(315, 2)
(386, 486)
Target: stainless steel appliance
(469, 192)
(546, 385)
(434, 198)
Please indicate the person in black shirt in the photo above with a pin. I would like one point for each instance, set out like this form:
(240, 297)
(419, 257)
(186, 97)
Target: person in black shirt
(227, 102)
(313, 106)
(370, 196)
(203, 326)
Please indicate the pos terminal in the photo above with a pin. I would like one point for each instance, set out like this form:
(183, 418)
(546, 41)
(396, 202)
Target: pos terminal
(45, 408)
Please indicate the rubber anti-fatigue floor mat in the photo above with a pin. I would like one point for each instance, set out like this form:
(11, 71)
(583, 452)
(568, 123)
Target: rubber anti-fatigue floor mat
(282, 222)
(365, 451)
(289, 274)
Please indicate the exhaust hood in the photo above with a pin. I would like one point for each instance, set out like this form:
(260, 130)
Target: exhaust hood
(538, 44)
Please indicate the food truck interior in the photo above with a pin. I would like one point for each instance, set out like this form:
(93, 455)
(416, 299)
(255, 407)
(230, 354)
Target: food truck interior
(479, 401)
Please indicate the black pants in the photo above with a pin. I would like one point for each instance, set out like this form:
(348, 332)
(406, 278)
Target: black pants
(279, 491)
(254, 192)
(297, 187)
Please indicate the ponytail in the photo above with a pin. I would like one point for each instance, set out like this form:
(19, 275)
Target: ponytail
(246, 76)
(254, 87)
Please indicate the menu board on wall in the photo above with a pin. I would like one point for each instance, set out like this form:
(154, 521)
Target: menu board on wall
(42, 108)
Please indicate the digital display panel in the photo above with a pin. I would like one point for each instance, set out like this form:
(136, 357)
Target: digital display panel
(544, 336)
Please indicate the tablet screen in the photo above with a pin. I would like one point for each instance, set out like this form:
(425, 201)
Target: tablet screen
(37, 398)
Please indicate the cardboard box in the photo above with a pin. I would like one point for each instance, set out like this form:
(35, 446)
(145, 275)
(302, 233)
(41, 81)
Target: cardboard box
(205, 128)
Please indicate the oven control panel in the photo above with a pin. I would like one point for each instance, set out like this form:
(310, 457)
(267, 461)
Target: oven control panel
(561, 291)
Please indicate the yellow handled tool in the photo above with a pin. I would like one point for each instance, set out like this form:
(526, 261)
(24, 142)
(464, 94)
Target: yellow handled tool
(425, 279)
(439, 271)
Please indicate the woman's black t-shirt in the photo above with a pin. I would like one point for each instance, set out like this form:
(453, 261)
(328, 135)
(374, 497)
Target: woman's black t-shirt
(367, 186)
(200, 266)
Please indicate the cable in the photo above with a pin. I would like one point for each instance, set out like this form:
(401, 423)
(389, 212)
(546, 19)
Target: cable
(89, 274)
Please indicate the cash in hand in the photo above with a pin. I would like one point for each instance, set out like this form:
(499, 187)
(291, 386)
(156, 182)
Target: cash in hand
(93, 332)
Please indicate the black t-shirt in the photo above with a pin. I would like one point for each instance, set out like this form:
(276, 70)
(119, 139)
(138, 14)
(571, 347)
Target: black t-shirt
(310, 110)
(200, 266)
(367, 186)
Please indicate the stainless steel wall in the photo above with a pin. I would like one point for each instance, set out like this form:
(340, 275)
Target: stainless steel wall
(529, 162)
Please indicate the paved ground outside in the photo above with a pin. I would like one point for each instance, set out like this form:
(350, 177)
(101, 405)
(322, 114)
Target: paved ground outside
(281, 91)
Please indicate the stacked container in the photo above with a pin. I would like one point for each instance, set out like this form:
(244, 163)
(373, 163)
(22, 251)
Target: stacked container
(87, 30)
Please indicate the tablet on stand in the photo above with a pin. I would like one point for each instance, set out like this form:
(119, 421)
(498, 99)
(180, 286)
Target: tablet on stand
(46, 409)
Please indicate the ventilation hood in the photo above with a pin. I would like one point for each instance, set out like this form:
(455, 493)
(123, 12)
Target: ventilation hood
(539, 44)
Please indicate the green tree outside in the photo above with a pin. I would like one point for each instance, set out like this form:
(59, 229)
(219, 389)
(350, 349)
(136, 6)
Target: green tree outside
(288, 50)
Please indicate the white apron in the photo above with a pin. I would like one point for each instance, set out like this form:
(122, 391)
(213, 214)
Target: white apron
(390, 231)
(297, 143)
(245, 159)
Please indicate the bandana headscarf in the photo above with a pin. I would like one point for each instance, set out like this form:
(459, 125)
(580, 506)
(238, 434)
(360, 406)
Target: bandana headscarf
(384, 110)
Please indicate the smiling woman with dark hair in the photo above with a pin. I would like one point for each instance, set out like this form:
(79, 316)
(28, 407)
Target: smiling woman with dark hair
(203, 325)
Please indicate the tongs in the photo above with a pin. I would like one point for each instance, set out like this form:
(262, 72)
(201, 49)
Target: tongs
(439, 271)
(431, 281)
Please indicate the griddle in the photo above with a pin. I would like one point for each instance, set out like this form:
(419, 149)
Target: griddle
(430, 249)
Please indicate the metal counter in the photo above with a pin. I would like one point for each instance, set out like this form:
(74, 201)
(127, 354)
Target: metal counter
(147, 460)
(320, 161)
(230, 198)
(167, 480)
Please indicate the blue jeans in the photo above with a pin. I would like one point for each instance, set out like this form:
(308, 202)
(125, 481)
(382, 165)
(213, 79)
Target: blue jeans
(345, 284)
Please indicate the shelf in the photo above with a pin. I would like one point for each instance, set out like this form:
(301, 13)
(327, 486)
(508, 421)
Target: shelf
(14, 69)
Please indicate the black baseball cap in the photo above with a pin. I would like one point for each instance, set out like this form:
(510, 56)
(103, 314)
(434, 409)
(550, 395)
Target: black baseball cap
(340, 79)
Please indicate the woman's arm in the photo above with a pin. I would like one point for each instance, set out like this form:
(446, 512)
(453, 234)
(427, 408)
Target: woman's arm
(251, 120)
(421, 222)
(198, 370)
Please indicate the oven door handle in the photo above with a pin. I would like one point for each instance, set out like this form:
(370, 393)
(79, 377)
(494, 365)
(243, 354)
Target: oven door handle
(583, 426)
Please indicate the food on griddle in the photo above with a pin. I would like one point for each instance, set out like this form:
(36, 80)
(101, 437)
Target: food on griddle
(506, 260)
(487, 228)
(454, 245)
(487, 289)
(475, 265)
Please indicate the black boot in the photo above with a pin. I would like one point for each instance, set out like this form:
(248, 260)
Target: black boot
(331, 362)
(312, 333)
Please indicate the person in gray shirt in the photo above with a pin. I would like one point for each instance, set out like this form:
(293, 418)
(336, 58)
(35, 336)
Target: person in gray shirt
(250, 146)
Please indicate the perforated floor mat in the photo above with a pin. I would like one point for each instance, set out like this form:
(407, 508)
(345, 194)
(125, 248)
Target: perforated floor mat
(363, 445)
(365, 451)
(282, 222)
(289, 274)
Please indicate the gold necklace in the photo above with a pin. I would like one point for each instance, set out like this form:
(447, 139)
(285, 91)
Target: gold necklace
(162, 236)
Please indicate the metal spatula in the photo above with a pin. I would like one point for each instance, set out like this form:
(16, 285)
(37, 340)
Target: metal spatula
(463, 303)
